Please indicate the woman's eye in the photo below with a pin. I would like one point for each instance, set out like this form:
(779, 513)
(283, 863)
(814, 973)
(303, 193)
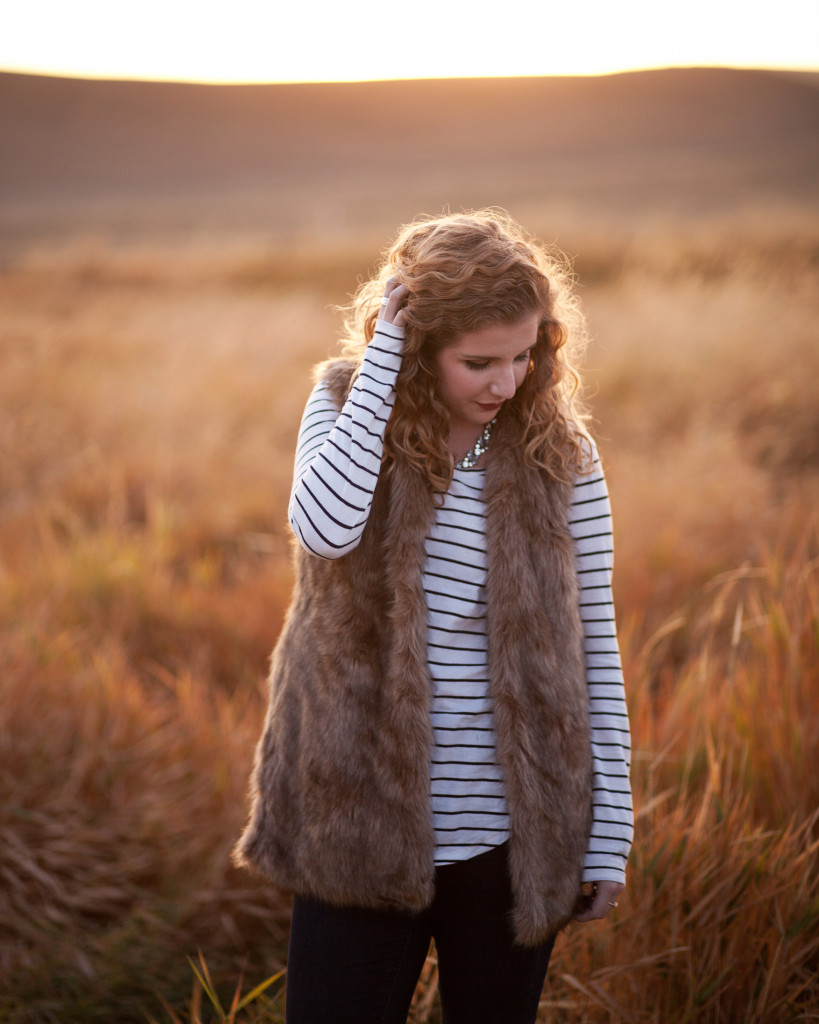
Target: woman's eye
(524, 357)
(475, 366)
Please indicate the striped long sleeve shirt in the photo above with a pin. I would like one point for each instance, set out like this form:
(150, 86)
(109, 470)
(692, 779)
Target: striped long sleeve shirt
(338, 460)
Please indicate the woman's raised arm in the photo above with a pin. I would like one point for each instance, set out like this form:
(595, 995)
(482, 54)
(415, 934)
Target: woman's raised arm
(338, 456)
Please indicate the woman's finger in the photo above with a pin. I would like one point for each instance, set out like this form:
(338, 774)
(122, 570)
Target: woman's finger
(392, 303)
(605, 900)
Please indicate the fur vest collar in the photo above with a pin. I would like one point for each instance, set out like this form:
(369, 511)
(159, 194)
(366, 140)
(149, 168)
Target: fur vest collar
(340, 790)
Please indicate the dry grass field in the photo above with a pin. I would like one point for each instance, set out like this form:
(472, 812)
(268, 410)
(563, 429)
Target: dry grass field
(155, 346)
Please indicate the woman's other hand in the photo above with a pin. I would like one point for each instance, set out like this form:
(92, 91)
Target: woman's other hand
(392, 305)
(604, 899)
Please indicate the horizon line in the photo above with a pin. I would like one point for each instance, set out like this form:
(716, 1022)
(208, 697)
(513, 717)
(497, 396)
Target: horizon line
(90, 76)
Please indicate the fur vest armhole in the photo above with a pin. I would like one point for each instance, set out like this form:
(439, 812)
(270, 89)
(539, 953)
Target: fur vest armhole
(339, 375)
(587, 449)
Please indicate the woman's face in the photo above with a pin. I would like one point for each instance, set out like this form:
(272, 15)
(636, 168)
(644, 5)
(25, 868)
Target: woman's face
(482, 370)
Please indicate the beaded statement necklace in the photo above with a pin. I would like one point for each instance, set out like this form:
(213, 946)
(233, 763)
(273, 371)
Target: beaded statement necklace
(478, 448)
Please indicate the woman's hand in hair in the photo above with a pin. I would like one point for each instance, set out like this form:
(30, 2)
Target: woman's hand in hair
(603, 899)
(392, 305)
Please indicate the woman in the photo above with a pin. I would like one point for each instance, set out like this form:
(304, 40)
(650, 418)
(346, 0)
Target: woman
(446, 749)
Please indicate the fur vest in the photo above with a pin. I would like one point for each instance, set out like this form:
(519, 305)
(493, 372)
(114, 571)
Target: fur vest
(340, 789)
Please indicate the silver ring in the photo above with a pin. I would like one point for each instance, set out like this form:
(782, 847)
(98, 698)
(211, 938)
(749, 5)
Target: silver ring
(385, 300)
(613, 904)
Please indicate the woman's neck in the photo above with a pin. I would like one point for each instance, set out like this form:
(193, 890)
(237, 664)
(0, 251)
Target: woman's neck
(462, 439)
(471, 455)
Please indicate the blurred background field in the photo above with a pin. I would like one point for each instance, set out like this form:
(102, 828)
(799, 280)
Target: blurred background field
(169, 261)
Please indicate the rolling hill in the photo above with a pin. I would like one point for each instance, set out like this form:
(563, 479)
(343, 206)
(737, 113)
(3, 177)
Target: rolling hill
(676, 142)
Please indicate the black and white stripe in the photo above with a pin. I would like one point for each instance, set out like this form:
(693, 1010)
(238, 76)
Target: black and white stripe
(467, 791)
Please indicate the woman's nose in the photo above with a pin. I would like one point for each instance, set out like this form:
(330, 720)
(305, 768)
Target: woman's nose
(504, 384)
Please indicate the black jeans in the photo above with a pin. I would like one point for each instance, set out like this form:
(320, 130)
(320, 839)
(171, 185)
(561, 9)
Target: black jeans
(356, 966)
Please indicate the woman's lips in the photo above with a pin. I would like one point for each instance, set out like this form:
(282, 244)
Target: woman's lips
(489, 406)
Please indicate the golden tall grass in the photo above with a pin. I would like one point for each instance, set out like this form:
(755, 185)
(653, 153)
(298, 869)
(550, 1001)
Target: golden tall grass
(150, 399)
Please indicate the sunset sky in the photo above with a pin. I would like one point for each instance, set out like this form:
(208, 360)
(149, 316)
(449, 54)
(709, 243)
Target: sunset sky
(265, 40)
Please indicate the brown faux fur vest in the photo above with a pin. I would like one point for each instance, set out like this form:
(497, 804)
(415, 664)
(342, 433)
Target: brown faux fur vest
(341, 785)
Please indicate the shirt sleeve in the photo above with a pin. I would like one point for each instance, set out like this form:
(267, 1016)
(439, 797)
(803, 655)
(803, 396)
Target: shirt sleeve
(338, 455)
(612, 818)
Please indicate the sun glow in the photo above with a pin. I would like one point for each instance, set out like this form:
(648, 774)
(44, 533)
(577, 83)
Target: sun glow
(256, 40)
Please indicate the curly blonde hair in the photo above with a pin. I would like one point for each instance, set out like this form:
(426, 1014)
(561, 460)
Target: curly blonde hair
(464, 272)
